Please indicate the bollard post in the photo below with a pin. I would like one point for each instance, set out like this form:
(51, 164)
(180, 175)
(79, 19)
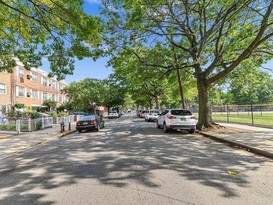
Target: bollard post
(62, 126)
(69, 123)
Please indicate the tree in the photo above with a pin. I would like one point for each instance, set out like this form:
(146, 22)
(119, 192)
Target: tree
(50, 104)
(210, 38)
(115, 92)
(56, 29)
(252, 87)
(85, 94)
(139, 79)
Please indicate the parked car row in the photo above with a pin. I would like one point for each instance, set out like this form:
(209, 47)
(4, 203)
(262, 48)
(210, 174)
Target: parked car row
(170, 119)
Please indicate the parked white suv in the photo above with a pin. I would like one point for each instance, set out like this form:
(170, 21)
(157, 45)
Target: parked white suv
(113, 114)
(152, 115)
(179, 119)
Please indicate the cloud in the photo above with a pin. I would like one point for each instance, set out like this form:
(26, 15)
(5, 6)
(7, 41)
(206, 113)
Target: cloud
(44, 59)
(93, 1)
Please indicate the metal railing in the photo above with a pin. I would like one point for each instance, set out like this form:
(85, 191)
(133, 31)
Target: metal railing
(253, 114)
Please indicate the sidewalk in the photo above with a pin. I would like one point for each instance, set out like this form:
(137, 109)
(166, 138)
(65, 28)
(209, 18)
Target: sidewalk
(12, 143)
(254, 139)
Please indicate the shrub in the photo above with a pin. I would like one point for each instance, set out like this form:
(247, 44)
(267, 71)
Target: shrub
(34, 115)
(8, 127)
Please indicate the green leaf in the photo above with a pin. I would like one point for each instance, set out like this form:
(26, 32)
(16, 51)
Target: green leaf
(232, 172)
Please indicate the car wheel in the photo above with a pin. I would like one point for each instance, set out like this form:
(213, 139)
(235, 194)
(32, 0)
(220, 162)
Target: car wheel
(166, 130)
(157, 125)
(191, 131)
(79, 131)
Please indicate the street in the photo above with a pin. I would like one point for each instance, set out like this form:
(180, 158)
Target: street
(130, 161)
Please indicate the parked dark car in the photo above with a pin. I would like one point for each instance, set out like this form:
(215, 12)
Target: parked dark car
(79, 113)
(90, 122)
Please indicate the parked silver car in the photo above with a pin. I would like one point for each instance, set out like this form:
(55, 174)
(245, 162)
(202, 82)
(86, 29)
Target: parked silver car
(179, 119)
(152, 115)
(143, 113)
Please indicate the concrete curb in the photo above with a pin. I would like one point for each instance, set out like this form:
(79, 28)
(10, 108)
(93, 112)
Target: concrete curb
(66, 133)
(240, 145)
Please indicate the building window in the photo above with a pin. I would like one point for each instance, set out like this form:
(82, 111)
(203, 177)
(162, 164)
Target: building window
(60, 99)
(2, 89)
(53, 97)
(44, 96)
(20, 72)
(34, 78)
(53, 84)
(44, 81)
(61, 87)
(35, 94)
(21, 92)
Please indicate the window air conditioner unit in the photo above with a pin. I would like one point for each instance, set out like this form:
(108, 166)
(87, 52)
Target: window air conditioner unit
(28, 94)
(29, 77)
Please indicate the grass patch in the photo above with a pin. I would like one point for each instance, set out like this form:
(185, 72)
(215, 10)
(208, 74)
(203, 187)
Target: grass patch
(265, 119)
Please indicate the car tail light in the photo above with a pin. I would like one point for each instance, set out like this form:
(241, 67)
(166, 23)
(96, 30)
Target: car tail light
(93, 122)
(171, 117)
(78, 123)
(192, 117)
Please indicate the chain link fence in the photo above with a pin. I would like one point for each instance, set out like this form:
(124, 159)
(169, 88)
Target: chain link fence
(253, 114)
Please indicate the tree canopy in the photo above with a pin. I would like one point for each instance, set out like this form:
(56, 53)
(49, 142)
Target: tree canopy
(54, 29)
(209, 38)
(84, 95)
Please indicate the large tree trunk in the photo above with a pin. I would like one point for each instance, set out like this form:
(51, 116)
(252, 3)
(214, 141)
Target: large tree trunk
(204, 118)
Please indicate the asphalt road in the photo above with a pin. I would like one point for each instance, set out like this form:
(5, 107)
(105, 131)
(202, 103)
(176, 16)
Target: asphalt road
(132, 162)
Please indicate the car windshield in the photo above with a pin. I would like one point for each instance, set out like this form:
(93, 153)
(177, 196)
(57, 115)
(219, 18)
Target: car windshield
(85, 118)
(181, 112)
(154, 111)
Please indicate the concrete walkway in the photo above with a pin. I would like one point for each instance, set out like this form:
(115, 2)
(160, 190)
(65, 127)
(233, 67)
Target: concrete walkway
(12, 143)
(255, 139)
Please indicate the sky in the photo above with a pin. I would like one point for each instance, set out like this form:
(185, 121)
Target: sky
(86, 68)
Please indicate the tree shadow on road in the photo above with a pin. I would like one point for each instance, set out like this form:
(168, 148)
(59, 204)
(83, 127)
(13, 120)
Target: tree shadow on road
(117, 158)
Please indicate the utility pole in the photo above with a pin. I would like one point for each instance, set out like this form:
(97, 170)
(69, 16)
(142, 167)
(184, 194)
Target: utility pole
(179, 77)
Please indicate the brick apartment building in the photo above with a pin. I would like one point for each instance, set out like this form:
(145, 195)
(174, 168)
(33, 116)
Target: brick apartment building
(29, 87)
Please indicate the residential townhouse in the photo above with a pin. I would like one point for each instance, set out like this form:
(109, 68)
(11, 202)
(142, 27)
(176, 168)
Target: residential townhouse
(30, 88)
